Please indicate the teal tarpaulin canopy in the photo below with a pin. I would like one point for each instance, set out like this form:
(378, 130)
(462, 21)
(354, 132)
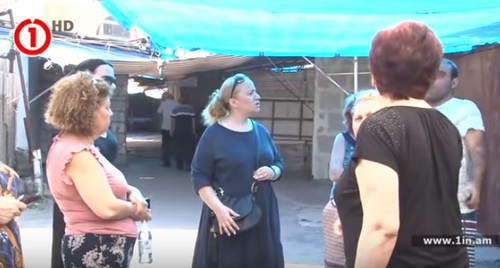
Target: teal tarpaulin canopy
(316, 28)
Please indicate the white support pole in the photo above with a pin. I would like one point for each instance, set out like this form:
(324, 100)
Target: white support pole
(355, 74)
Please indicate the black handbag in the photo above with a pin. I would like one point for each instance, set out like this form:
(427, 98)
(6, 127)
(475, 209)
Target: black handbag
(247, 208)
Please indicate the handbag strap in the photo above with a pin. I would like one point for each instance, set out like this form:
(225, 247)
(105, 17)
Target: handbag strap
(256, 133)
(255, 129)
(11, 236)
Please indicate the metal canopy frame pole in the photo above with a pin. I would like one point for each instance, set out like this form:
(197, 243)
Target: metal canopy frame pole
(355, 74)
(287, 88)
(326, 76)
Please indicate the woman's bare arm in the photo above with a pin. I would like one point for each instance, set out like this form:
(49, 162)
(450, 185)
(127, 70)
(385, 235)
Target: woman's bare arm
(337, 157)
(208, 196)
(91, 183)
(379, 193)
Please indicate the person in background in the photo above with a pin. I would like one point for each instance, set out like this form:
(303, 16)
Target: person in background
(165, 110)
(106, 143)
(469, 122)
(401, 185)
(183, 133)
(363, 107)
(343, 147)
(10, 208)
(230, 155)
(99, 206)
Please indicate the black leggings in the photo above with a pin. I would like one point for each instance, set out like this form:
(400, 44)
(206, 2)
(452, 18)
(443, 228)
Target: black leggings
(166, 146)
(58, 226)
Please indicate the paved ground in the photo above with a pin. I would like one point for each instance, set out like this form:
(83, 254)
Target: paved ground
(176, 210)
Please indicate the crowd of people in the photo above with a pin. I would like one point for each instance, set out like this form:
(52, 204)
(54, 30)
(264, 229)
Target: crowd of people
(381, 196)
(415, 165)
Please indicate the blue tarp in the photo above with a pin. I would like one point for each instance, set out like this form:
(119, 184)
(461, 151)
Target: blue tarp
(317, 28)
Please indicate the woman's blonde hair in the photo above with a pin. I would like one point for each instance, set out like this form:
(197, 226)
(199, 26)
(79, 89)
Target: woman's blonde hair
(74, 102)
(218, 106)
(364, 95)
(349, 103)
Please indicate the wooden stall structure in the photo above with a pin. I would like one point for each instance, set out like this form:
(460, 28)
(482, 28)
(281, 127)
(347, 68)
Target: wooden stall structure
(479, 75)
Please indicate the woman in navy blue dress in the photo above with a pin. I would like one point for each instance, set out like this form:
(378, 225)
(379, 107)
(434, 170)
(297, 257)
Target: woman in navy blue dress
(226, 154)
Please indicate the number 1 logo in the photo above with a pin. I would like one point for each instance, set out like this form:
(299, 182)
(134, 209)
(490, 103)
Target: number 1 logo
(32, 38)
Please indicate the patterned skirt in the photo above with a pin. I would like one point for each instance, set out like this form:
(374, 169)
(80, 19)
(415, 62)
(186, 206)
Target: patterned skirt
(334, 244)
(97, 251)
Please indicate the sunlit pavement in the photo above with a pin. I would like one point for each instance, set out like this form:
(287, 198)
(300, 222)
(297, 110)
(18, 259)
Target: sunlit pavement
(171, 248)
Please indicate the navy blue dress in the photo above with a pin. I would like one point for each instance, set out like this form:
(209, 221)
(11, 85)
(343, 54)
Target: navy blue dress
(228, 157)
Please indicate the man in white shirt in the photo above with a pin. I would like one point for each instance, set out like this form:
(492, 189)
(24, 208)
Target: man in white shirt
(468, 120)
(165, 110)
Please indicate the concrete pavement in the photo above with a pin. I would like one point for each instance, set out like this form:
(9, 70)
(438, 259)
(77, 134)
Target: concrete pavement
(176, 209)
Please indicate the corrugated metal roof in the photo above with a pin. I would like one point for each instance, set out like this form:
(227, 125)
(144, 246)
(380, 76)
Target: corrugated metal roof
(195, 65)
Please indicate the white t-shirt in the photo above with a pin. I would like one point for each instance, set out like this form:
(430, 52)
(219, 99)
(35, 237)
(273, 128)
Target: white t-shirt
(165, 109)
(465, 115)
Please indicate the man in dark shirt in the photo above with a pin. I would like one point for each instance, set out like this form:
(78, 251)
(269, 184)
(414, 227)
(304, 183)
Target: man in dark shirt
(184, 133)
(108, 145)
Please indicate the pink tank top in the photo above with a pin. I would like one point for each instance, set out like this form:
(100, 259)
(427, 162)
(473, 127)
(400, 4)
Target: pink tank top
(79, 218)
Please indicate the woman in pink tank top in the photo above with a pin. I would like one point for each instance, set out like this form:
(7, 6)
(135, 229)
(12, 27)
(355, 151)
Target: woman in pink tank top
(99, 207)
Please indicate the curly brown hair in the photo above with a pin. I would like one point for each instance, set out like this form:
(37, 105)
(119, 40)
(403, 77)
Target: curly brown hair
(74, 102)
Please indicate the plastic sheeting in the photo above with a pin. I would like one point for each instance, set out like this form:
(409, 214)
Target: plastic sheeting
(317, 28)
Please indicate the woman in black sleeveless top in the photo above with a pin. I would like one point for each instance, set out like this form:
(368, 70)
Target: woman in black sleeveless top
(403, 178)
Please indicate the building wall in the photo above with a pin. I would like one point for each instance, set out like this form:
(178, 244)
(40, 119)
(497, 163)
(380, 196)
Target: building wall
(272, 85)
(287, 111)
(86, 15)
(329, 104)
(287, 103)
(295, 150)
(119, 106)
